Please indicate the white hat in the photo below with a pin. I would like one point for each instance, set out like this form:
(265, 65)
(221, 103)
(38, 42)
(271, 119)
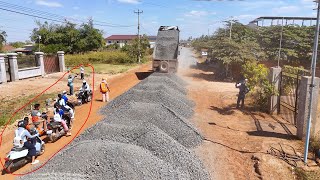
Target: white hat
(64, 92)
(84, 81)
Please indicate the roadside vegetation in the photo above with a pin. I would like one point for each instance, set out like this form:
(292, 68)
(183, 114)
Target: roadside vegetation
(249, 50)
(11, 106)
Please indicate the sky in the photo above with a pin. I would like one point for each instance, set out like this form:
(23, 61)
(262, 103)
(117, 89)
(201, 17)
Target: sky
(194, 17)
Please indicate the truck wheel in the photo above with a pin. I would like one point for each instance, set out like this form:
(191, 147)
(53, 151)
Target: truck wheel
(164, 66)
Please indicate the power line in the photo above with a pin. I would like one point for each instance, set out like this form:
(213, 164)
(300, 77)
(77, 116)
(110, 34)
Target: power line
(48, 16)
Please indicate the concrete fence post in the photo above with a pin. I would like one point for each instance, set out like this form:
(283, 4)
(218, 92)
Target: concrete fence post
(39, 58)
(303, 106)
(274, 79)
(61, 61)
(12, 57)
(3, 73)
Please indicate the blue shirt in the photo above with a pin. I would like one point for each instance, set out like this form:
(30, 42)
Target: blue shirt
(65, 98)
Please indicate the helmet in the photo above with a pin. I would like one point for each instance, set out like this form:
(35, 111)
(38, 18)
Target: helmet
(22, 123)
(84, 81)
(64, 92)
(70, 76)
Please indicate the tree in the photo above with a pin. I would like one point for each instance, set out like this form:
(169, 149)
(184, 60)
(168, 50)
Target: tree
(17, 44)
(3, 36)
(133, 50)
(67, 37)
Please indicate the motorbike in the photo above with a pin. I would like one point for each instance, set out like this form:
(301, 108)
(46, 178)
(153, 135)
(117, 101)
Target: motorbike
(82, 99)
(56, 130)
(17, 157)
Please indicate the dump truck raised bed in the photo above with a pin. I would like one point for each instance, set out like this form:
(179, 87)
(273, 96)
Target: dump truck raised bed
(166, 50)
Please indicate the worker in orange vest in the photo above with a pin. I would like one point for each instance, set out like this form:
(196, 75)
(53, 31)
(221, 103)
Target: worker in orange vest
(104, 89)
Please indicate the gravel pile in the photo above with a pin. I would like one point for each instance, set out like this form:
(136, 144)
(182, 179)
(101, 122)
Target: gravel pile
(145, 135)
(166, 46)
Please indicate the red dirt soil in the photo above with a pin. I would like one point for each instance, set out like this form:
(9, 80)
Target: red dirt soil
(118, 85)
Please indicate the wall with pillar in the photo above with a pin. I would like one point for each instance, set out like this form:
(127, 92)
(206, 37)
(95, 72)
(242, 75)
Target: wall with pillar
(274, 79)
(62, 66)
(303, 107)
(3, 73)
(14, 70)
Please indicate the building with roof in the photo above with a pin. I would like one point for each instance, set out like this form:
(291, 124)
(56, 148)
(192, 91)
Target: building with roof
(7, 48)
(122, 40)
(26, 49)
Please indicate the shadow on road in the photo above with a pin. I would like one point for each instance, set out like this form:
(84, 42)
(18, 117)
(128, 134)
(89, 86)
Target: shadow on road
(142, 75)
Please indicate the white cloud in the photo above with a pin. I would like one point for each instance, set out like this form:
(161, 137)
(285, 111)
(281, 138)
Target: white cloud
(129, 1)
(48, 3)
(194, 13)
(286, 9)
(76, 8)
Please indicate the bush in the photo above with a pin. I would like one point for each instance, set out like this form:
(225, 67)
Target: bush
(261, 88)
(109, 57)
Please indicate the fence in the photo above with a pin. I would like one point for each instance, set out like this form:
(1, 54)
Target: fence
(289, 92)
(14, 67)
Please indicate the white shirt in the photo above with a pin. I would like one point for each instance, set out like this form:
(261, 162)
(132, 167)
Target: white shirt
(57, 117)
(81, 70)
(62, 102)
(85, 87)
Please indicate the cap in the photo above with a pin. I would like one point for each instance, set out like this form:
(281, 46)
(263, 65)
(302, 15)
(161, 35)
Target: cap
(64, 92)
(84, 81)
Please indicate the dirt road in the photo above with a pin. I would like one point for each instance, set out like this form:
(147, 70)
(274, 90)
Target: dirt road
(236, 142)
(119, 84)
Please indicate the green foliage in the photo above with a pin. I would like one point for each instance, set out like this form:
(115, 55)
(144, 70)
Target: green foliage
(3, 36)
(17, 44)
(67, 37)
(108, 57)
(132, 49)
(261, 88)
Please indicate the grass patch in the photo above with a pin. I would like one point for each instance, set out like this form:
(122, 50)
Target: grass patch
(307, 175)
(12, 105)
(108, 68)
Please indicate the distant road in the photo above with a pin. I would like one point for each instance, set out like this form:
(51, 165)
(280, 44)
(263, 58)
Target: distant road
(186, 58)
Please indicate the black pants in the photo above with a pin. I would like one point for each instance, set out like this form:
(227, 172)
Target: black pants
(30, 145)
(240, 99)
(85, 96)
(82, 75)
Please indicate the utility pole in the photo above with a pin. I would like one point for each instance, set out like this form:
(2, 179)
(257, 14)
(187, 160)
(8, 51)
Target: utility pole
(280, 46)
(139, 12)
(39, 41)
(312, 85)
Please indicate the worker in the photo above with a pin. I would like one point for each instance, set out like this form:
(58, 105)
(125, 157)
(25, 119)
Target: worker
(243, 90)
(104, 89)
(82, 73)
(70, 83)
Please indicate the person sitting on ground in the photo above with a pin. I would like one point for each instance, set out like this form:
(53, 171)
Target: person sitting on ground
(20, 140)
(86, 90)
(58, 118)
(243, 90)
(37, 117)
(104, 89)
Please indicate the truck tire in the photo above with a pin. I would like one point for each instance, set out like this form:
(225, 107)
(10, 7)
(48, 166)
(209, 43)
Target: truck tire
(164, 67)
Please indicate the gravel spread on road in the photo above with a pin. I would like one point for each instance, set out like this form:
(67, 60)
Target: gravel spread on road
(145, 134)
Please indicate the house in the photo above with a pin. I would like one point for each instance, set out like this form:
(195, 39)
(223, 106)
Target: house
(7, 48)
(26, 49)
(122, 40)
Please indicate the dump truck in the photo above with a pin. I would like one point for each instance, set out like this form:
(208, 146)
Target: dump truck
(166, 50)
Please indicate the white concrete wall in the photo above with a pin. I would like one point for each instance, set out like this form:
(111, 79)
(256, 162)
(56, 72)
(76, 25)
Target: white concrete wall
(29, 72)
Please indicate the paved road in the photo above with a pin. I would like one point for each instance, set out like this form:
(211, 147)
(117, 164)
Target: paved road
(186, 58)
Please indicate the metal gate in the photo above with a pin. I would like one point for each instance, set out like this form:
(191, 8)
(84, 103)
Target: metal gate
(289, 93)
(51, 64)
(7, 66)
